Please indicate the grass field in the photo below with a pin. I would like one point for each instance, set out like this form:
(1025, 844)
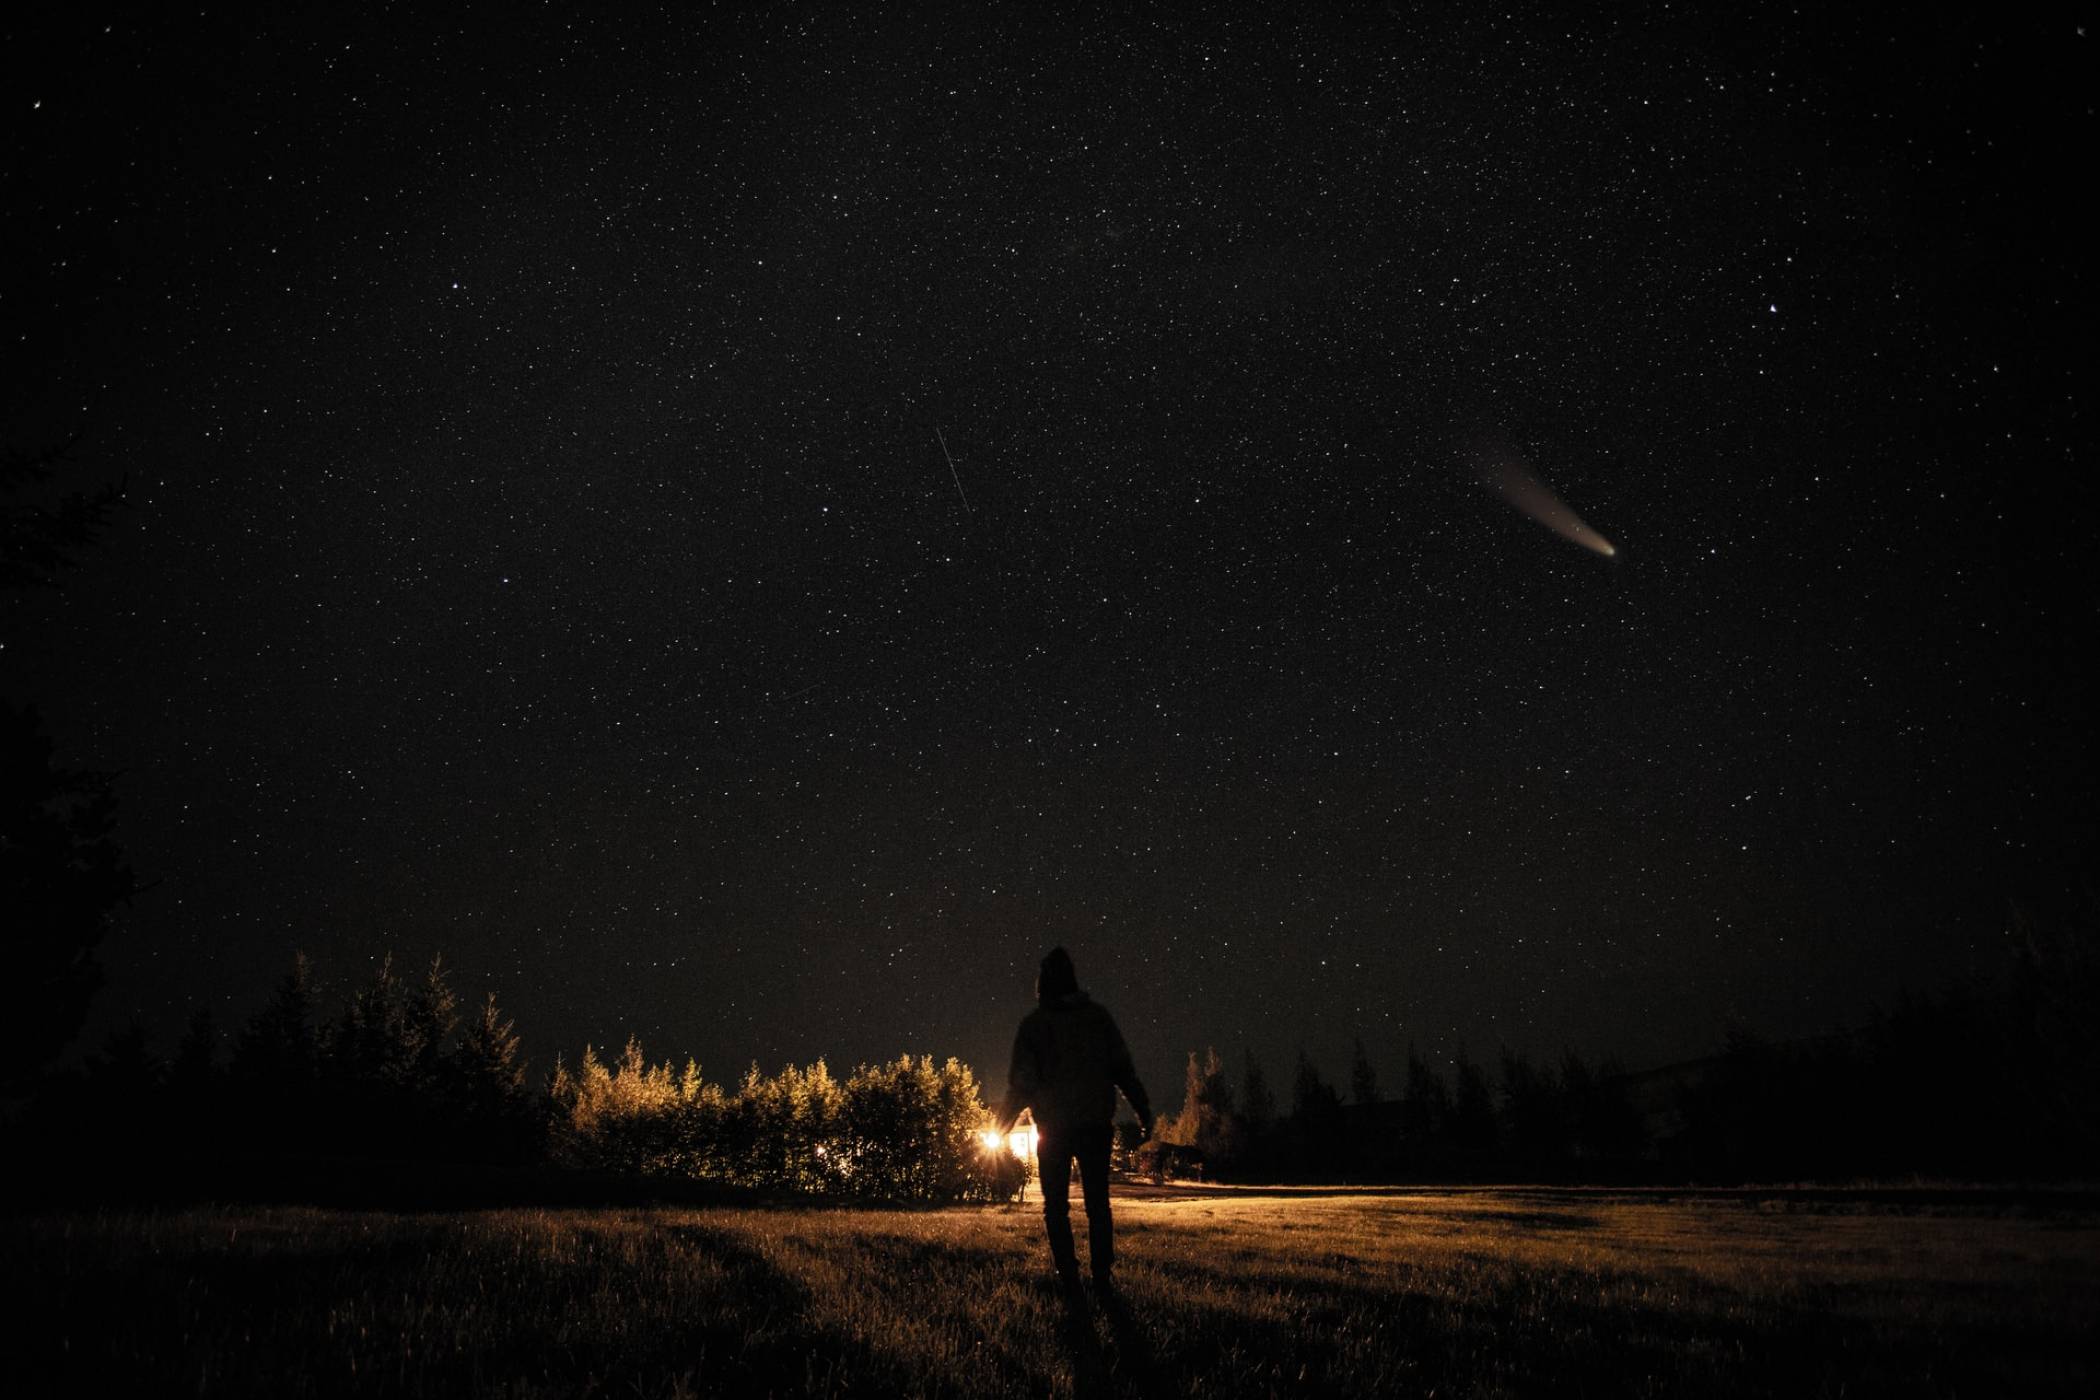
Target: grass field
(1478, 1293)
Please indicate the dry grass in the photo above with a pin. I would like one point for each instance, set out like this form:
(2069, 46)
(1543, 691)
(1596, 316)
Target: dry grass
(1481, 1293)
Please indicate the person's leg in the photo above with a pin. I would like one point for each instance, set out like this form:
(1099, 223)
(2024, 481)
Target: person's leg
(1054, 1165)
(1093, 1149)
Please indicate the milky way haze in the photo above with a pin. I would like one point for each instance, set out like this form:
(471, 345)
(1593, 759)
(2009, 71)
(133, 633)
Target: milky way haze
(747, 530)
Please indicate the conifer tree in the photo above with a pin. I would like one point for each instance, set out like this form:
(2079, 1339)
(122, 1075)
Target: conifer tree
(62, 874)
(124, 1072)
(369, 1045)
(429, 1019)
(490, 1059)
(1207, 1121)
(1363, 1079)
(278, 1049)
(1257, 1101)
(196, 1054)
(1313, 1100)
(1473, 1125)
(1534, 1111)
(61, 878)
(487, 1071)
(195, 1082)
(1425, 1106)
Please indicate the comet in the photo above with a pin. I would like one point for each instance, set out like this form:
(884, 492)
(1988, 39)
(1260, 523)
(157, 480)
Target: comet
(1506, 474)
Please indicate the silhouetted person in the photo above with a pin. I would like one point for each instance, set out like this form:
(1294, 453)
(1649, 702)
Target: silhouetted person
(1069, 1060)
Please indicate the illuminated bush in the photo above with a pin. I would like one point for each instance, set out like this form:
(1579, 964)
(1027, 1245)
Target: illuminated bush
(908, 1130)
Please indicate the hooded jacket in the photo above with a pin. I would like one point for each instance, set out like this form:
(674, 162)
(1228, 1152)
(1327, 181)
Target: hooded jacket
(1069, 1060)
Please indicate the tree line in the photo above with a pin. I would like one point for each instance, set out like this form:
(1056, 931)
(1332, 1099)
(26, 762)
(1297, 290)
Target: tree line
(1995, 1085)
(1475, 1123)
(1984, 1086)
(403, 1073)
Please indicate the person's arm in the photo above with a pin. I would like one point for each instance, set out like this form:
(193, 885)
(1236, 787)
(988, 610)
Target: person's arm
(1023, 1077)
(1124, 1072)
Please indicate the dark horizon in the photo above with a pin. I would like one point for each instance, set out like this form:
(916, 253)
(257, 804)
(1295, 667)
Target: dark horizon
(746, 532)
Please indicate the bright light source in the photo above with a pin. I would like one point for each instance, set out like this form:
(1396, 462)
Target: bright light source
(1020, 1142)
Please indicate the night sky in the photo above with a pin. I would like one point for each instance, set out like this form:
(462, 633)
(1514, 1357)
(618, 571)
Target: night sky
(748, 530)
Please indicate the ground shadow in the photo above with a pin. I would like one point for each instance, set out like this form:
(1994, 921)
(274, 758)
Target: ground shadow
(1121, 1363)
(1134, 1356)
(230, 1317)
(1537, 1220)
(792, 1352)
(1092, 1377)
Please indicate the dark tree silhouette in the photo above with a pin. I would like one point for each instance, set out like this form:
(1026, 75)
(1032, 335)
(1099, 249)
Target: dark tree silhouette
(124, 1077)
(41, 539)
(1316, 1122)
(1311, 1095)
(1425, 1105)
(368, 1046)
(61, 873)
(428, 1022)
(1532, 1111)
(195, 1108)
(1473, 1124)
(1257, 1100)
(196, 1067)
(490, 1056)
(61, 877)
(1363, 1079)
(277, 1055)
(499, 1117)
(2049, 1028)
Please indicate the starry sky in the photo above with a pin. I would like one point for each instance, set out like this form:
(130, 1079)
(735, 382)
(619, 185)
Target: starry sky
(747, 529)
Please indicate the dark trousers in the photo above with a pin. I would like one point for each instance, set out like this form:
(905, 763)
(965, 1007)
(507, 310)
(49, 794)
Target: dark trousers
(1054, 1154)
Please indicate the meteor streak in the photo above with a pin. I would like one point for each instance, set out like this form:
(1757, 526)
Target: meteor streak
(1504, 473)
(951, 469)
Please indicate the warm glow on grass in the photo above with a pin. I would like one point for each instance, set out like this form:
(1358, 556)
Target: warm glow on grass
(1529, 1291)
